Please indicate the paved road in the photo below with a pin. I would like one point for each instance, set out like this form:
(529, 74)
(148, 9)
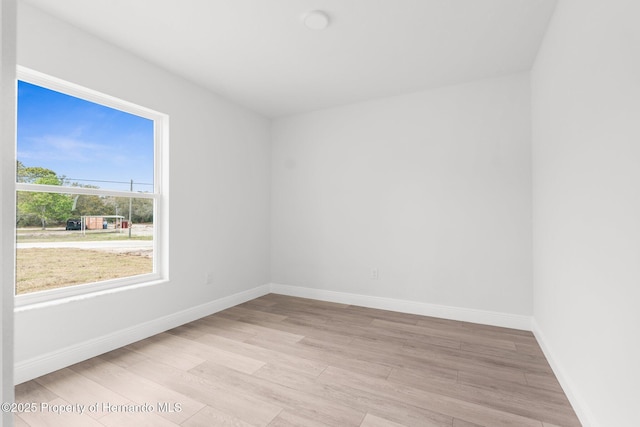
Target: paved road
(109, 244)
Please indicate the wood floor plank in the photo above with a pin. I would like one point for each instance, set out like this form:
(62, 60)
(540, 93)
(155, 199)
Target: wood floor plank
(209, 416)
(55, 419)
(514, 398)
(245, 406)
(176, 344)
(462, 423)
(393, 316)
(527, 392)
(240, 313)
(459, 334)
(464, 363)
(323, 356)
(544, 381)
(403, 333)
(77, 389)
(309, 406)
(190, 331)
(281, 361)
(286, 300)
(292, 362)
(155, 350)
(284, 375)
(390, 353)
(515, 335)
(530, 348)
(19, 422)
(413, 376)
(374, 421)
(32, 391)
(219, 326)
(124, 357)
(255, 330)
(366, 401)
(500, 395)
(137, 389)
(472, 359)
(138, 419)
(430, 400)
(291, 419)
(481, 348)
(310, 328)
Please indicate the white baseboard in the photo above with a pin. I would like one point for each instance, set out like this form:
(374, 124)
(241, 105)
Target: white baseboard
(505, 320)
(49, 362)
(577, 402)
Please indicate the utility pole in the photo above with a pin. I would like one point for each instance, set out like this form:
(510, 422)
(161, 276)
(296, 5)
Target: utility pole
(130, 204)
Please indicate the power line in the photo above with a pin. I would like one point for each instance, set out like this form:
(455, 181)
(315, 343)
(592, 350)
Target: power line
(111, 182)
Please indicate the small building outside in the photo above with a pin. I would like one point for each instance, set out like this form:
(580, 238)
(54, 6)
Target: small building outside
(93, 222)
(104, 222)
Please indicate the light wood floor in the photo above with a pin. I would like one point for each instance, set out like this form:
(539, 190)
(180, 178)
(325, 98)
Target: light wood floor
(283, 361)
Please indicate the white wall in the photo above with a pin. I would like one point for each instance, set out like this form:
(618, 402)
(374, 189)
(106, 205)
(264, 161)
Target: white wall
(433, 189)
(219, 188)
(7, 208)
(586, 199)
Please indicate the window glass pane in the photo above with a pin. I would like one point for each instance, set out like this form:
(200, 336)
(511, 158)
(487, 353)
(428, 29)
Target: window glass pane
(65, 240)
(82, 143)
(81, 231)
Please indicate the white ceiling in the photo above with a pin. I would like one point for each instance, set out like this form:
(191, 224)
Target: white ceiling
(260, 55)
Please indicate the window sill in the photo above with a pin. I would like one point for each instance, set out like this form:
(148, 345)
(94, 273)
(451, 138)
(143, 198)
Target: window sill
(60, 296)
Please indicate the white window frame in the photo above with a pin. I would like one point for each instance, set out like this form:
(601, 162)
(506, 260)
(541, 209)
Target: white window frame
(159, 194)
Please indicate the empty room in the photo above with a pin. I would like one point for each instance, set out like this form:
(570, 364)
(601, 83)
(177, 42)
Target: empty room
(320, 213)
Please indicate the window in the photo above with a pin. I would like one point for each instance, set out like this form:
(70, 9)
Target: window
(89, 199)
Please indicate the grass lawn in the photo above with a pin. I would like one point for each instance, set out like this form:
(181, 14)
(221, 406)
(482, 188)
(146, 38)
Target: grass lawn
(39, 269)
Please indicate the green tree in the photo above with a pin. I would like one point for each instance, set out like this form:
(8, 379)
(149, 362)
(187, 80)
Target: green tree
(141, 209)
(47, 207)
(30, 174)
(85, 204)
(91, 205)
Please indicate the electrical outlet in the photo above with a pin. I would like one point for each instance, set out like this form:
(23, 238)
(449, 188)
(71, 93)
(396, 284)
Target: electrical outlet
(374, 274)
(209, 278)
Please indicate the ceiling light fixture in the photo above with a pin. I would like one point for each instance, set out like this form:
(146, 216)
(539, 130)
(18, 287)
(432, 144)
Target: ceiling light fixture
(316, 20)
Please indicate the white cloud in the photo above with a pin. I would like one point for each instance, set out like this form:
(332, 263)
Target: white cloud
(56, 148)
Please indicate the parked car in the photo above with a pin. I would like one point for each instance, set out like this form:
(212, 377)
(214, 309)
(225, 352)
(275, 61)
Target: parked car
(74, 224)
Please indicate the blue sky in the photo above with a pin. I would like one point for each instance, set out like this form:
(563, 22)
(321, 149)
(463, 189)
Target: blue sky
(83, 140)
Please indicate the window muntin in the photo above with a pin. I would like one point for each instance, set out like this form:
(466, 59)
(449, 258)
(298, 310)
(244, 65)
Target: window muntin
(114, 150)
